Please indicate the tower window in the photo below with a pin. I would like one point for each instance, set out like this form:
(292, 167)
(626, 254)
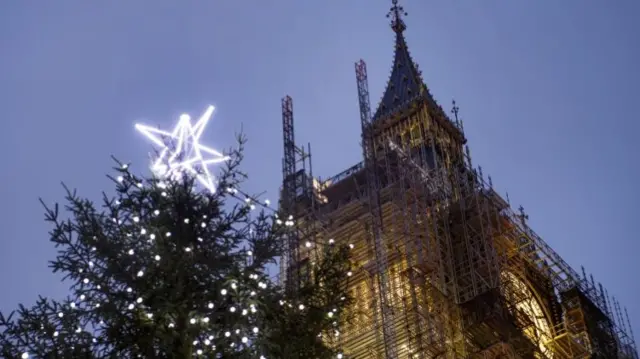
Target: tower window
(416, 134)
(428, 156)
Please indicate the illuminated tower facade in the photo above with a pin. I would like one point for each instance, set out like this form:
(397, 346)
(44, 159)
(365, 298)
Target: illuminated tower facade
(444, 267)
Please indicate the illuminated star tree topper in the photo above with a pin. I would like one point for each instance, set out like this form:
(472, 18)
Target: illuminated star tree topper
(181, 151)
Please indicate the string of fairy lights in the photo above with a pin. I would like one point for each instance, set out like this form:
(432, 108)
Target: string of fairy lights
(238, 298)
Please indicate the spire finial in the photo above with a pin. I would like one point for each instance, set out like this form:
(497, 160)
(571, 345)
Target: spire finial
(523, 216)
(395, 13)
(455, 110)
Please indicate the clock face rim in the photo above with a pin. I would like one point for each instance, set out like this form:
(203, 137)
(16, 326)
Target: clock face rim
(540, 333)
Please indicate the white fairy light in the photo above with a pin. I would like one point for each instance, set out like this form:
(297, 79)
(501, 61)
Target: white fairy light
(188, 154)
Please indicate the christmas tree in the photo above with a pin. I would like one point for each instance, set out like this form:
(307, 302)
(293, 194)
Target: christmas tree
(165, 269)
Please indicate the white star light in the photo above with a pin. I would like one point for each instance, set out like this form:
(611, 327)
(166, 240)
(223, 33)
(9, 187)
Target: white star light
(181, 150)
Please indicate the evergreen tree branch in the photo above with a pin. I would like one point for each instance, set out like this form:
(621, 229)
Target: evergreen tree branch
(162, 269)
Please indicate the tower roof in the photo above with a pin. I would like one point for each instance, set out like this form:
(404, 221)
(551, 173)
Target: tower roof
(405, 83)
(405, 86)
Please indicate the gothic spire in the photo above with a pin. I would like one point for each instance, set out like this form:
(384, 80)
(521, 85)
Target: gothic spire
(405, 83)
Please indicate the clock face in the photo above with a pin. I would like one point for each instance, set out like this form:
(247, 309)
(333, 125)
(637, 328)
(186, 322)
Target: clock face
(538, 330)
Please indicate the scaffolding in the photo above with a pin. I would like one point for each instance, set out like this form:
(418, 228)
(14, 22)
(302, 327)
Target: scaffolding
(452, 271)
(295, 198)
(445, 268)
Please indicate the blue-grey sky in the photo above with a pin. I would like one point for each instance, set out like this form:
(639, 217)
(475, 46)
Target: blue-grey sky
(547, 89)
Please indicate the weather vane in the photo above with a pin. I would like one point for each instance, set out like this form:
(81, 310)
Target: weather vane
(181, 151)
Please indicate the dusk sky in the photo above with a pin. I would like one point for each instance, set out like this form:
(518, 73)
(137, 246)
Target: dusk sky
(548, 91)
